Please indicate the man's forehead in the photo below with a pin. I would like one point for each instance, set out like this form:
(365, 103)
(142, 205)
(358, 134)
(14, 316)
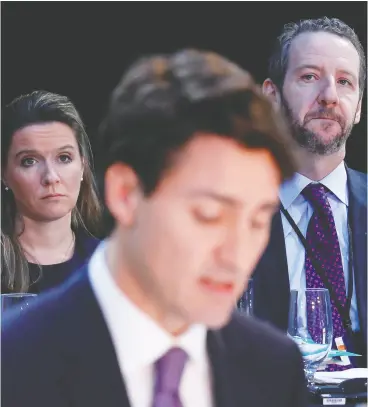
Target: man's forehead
(230, 199)
(218, 168)
(326, 46)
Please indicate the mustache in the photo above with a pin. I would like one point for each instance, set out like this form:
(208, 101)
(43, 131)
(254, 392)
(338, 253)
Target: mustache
(325, 114)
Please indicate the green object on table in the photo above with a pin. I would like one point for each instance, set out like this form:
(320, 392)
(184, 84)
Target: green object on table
(337, 353)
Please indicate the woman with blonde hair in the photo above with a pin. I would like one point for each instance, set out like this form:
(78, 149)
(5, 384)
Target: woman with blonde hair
(50, 207)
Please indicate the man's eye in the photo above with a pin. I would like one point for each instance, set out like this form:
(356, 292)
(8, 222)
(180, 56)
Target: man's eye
(207, 217)
(309, 77)
(344, 82)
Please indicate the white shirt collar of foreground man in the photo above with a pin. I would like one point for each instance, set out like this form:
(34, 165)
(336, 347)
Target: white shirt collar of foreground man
(139, 342)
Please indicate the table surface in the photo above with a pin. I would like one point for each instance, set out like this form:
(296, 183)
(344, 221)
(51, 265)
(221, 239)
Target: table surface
(315, 399)
(346, 405)
(359, 404)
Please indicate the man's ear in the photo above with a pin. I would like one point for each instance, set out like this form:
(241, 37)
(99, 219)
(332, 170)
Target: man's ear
(122, 193)
(358, 112)
(270, 90)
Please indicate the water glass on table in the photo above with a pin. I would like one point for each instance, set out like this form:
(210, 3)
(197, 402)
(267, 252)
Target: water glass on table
(22, 300)
(310, 326)
(245, 304)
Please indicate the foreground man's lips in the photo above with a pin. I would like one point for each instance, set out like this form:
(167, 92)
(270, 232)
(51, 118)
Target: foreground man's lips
(217, 286)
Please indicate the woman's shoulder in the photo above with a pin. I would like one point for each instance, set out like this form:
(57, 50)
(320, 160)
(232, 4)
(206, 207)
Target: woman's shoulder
(86, 242)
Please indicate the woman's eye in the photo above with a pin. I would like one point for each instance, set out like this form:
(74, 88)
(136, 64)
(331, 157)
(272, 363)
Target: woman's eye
(28, 162)
(64, 158)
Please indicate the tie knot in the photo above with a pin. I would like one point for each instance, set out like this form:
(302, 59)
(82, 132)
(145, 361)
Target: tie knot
(316, 195)
(169, 370)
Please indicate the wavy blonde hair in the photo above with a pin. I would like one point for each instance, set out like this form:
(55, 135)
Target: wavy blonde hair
(42, 107)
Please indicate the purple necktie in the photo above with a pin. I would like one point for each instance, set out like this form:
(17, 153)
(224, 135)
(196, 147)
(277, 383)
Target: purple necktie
(168, 373)
(323, 240)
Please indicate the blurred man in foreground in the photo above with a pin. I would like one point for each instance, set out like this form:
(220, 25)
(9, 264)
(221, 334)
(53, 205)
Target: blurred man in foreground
(193, 158)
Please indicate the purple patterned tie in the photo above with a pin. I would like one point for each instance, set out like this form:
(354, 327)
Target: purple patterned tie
(323, 240)
(168, 372)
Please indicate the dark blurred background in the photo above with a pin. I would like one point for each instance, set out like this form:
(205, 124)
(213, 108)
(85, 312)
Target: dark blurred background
(80, 49)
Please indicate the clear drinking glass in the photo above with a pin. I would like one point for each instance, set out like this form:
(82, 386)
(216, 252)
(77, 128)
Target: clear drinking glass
(310, 326)
(245, 304)
(10, 300)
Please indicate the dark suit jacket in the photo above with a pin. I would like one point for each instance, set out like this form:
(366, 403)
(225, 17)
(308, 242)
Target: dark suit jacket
(59, 353)
(271, 278)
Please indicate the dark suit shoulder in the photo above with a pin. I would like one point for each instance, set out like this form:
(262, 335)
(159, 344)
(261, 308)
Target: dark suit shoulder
(45, 317)
(41, 345)
(267, 358)
(357, 182)
(358, 174)
(243, 331)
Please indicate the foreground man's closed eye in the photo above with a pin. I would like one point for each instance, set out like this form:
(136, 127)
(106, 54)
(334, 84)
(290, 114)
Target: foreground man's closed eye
(193, 160)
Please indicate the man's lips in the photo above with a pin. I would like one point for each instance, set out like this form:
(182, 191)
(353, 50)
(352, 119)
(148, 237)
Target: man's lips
(325, 118)
(217, 286)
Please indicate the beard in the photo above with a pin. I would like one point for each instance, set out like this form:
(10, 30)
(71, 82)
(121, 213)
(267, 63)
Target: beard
(309, 139)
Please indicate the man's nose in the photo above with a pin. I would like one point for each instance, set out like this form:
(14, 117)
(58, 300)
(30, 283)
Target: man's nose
(328, 96)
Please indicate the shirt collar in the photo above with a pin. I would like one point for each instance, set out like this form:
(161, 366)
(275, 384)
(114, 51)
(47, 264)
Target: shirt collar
(336, 182)
(141, 340)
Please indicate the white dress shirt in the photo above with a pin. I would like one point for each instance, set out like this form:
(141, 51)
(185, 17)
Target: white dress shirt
(139, 342)
(301, 211)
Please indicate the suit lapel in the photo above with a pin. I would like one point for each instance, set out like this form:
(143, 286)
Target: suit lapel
(96, 379)
(237, 364)
(358, 221)
(271, 279)
(223, 396)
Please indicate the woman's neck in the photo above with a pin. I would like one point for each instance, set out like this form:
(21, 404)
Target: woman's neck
(46, 242)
